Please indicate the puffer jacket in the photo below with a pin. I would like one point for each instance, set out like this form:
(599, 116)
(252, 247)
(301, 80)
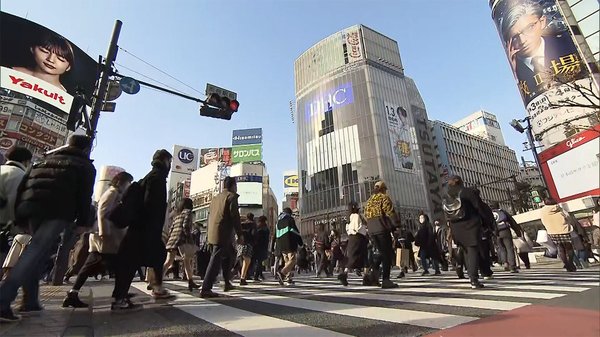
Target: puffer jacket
(58, 187)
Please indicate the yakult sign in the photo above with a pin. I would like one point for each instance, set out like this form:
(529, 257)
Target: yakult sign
(185, 159)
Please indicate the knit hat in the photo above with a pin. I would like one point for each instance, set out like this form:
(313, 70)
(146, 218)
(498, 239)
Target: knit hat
(161, 155)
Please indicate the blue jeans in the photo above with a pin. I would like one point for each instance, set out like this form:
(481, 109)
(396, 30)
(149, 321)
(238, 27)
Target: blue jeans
(26, 273)
(425, 262)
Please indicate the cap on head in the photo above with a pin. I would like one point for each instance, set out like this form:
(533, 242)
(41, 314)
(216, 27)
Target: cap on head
(19, 154)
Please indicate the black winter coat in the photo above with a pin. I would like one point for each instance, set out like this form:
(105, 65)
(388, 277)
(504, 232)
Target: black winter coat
(478, 215)
(58, 187)
(148, 227)
(287, 234)
(261, 243)
(425, 239)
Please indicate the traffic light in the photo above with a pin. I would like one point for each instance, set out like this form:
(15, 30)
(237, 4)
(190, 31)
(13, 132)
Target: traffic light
(76, 112)
(517, 126)
(222, 107)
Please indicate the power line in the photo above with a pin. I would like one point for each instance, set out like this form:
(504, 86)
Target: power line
(145, 76)
(147, 63)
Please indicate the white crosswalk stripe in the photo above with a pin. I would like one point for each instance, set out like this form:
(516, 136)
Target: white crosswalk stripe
(426, 302)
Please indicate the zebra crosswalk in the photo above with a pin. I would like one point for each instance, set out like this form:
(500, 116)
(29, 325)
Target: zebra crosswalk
(421, 305)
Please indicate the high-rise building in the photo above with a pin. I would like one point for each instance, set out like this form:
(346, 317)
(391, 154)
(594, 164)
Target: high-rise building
(360, 119)
(479, 162)
(583, 17)
(483, 124)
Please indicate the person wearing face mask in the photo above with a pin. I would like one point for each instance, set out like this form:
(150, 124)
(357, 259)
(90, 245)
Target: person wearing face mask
(425, 239)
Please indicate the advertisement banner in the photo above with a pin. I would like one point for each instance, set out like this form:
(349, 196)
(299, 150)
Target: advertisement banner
(543, 57)
(332, 98)
(215, 154)
(353, 46)
(571, 167)
(400, 137)
(185, 159)
(290, 181)
(43, 65)
(246, 137)
(250, 194)
(247, 153)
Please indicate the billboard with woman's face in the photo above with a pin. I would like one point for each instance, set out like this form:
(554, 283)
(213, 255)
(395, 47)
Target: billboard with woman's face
(544, 59)
(42, 64)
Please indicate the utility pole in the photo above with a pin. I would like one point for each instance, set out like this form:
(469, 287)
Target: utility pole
(100, 92)
(534, 151)
(510, 198)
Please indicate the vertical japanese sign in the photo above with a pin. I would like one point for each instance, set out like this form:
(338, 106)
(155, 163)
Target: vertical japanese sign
(544, 59)
(400, 137)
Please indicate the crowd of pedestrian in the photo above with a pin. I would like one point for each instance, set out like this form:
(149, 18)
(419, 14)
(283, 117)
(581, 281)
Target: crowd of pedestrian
(52, 230)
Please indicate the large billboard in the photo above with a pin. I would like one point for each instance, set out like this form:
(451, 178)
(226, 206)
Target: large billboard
(42, 64)
(399, 129)
(544, 59)
(215, 154)
(247, 153)
(571, 167)
(185, 159)
(250, 193)
(246, 137)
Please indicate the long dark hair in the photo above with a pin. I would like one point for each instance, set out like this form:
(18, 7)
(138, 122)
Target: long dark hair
(186, 203)
(353, 207)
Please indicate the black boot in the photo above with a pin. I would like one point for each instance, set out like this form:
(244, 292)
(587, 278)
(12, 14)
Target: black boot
(475, 284)
(192, 286)
(72, 300)
(343, 278)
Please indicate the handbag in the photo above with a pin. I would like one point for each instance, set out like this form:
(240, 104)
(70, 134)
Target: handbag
(402, 256)
(188, 249)
(385, 221)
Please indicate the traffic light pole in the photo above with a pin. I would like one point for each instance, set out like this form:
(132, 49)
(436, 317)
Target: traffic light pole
(534, 151)
(98, 98)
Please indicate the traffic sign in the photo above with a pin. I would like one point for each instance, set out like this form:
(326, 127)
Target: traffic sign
(130, 85)
(213, 89)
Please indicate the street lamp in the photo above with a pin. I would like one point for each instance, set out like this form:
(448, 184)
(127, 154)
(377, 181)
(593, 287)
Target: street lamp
(516, 124)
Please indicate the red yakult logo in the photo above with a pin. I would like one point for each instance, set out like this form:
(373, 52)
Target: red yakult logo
(36, 87)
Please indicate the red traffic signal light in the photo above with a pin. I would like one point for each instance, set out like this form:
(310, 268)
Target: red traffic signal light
(234, 105)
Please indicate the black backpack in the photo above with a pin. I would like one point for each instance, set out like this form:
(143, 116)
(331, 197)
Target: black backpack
(124, 213)
(453, 207)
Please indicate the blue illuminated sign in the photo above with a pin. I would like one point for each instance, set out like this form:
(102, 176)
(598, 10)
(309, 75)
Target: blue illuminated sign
(333, 98)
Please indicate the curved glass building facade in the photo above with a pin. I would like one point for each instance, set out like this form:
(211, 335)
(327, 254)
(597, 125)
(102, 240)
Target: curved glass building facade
(359, 120)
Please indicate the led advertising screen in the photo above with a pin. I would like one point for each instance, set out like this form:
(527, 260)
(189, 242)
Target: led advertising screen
(250, 193)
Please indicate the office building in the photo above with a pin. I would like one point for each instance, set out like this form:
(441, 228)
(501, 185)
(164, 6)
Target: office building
(480, 162)
(360, 119)
(483, 124)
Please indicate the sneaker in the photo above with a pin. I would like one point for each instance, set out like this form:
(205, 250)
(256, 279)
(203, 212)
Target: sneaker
(279, 277)
(387, 284)
(208, 294)
(123, 306)
(343, 278)
(162, 295)
(476, 285)
(72, 300)
(425, 273)
(7, 316)
(401, 275)
(243, 282)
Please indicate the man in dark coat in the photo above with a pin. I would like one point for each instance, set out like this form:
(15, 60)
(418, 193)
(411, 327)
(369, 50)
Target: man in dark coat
(504, 223)
(261, 247)
(288, 240)
(143, 245)
(467, 227)
(223, 222)
(56, 192)
(322, 244)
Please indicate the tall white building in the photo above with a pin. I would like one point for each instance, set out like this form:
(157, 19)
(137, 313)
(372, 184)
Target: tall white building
(480, 162)
(483, 124)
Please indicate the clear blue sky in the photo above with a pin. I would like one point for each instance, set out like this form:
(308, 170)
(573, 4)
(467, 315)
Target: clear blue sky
(450, 48)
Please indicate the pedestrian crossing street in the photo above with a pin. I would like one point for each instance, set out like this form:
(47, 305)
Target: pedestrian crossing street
(421, 305)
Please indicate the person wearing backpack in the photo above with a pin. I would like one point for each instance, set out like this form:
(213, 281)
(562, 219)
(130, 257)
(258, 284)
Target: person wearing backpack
(504, 223)
(467, 216)
(56, 192)
(143, 244)
(106, 241)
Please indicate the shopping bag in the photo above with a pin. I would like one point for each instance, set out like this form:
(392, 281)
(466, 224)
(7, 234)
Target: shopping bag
(402, 256)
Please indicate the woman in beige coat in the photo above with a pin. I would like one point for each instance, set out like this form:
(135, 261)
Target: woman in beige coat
(103, 245)
(559, 230)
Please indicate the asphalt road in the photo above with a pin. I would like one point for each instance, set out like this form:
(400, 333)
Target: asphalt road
(422, 305)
